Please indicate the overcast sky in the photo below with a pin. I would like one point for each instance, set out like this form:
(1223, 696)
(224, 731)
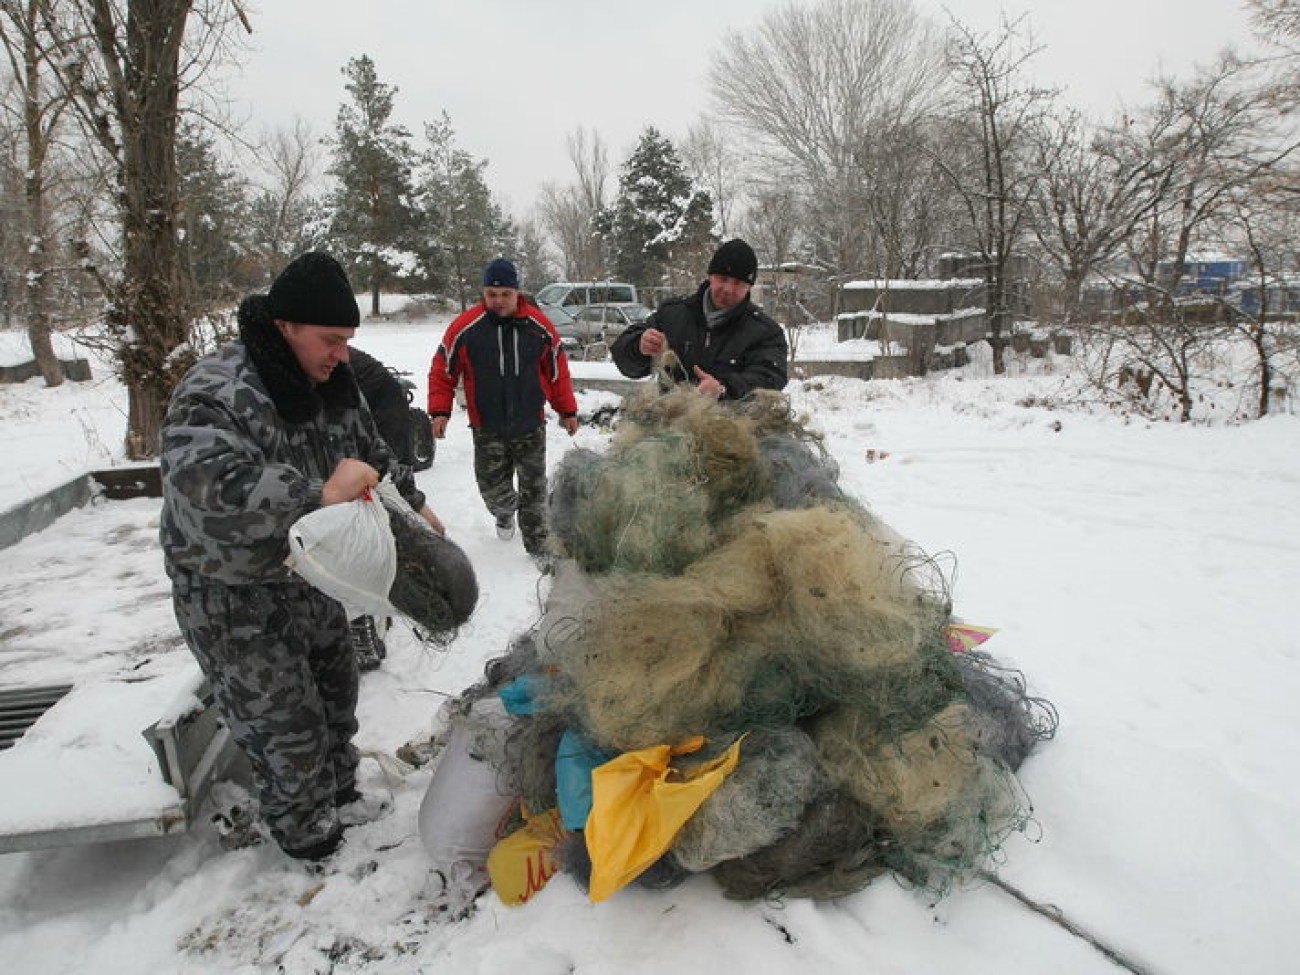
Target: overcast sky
(517, 76)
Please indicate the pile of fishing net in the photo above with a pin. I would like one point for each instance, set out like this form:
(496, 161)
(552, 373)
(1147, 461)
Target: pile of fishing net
(721, 606)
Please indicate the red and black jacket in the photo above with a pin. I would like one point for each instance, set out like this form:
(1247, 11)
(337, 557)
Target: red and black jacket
(511, 368)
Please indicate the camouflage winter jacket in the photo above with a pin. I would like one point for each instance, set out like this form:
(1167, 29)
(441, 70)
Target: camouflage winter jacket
(247, 443)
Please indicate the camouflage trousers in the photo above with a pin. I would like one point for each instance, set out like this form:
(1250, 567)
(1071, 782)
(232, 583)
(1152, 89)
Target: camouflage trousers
(498, 461)
(284, 677)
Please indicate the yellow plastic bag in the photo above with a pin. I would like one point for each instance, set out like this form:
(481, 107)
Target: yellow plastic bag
(524, 862)
(639, 803)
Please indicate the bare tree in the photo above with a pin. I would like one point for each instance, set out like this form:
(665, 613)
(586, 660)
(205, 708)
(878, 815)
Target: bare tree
(911, 210)
(590, 165)
(714, 163)
(531, 255)
(590, 160)
(1267, 219)
(1213, 135)
(284, 209)
(770, 224)
(997, 120)
(567, 212)
(568, 223)
(1277, 25)
(42, 107)
(11, 214)
(1090, 201)
(123, 65)
(813, 86)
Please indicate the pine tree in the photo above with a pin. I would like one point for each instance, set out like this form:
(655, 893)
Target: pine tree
(660, 223)
(461, 228)
(213, 220)
(371, 218)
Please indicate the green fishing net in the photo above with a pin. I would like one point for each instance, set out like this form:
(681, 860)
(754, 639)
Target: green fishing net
(715, 580)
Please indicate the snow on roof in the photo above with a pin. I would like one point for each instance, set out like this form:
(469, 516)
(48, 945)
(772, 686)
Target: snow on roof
(911, 317)
(914, 284)
(790, 267)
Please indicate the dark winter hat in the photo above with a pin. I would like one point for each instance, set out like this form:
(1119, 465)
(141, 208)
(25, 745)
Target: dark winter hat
(314, 290)
(735, 259)
(500, 274)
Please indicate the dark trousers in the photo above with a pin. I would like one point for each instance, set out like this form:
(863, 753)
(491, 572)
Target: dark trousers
(511, 475)
(284, 676)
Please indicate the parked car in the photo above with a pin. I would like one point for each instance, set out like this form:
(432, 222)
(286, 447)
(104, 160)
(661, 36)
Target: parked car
(573, 335)
(606, 322)
(558, 315)
(596, 324)
(577, 294)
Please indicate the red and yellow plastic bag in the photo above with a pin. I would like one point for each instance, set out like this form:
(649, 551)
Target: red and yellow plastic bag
(524, 862)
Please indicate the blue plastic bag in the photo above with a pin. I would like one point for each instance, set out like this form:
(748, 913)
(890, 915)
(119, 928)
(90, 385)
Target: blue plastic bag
(574, 760)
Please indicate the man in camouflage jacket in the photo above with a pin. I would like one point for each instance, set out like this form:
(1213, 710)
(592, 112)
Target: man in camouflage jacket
(256, 435)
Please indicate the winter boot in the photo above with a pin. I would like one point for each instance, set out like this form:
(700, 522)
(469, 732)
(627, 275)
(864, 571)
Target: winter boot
(357, 808)
(452, 893)
(367, 643)
(506, 527)
(238, 827)
(319, 857)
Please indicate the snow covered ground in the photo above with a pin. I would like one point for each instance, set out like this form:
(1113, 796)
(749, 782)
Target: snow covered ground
(1140, 575)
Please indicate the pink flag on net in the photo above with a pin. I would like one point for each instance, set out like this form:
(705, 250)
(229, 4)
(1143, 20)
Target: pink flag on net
(962, 637)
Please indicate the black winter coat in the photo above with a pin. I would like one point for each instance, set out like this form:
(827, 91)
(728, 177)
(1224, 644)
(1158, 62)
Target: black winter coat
(747, 351)
(388, 402)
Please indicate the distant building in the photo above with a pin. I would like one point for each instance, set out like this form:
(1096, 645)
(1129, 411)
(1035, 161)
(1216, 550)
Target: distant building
(958, 265)
(1211, 277)
(964, 264)
(1281, 294)
(902, 327)
(1206, 274)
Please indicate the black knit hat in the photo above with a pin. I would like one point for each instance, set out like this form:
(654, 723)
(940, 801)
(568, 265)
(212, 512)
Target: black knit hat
(314, 290)
(500, 274)
(735, 259)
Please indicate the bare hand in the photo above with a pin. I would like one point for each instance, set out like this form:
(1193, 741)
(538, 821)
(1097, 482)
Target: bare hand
(351, 479)
(653, 342)
(440, 426)
(434, 521)
(707, 384)
(570, 424)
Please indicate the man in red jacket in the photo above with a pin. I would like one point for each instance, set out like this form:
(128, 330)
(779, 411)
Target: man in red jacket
(509, 356)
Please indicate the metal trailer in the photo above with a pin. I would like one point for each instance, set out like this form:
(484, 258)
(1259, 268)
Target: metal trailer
(192, 746)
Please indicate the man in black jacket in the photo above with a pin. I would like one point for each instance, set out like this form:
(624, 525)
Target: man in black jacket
(386, 397)
(725, 344)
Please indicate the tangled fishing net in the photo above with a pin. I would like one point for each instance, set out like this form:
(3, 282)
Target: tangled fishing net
(435, 585)
(713, 579)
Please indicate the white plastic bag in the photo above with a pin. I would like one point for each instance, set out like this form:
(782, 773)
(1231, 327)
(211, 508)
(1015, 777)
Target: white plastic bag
(463, 812)
(347, 551)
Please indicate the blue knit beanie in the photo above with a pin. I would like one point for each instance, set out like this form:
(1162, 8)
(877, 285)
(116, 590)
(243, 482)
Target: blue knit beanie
(500, 274)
